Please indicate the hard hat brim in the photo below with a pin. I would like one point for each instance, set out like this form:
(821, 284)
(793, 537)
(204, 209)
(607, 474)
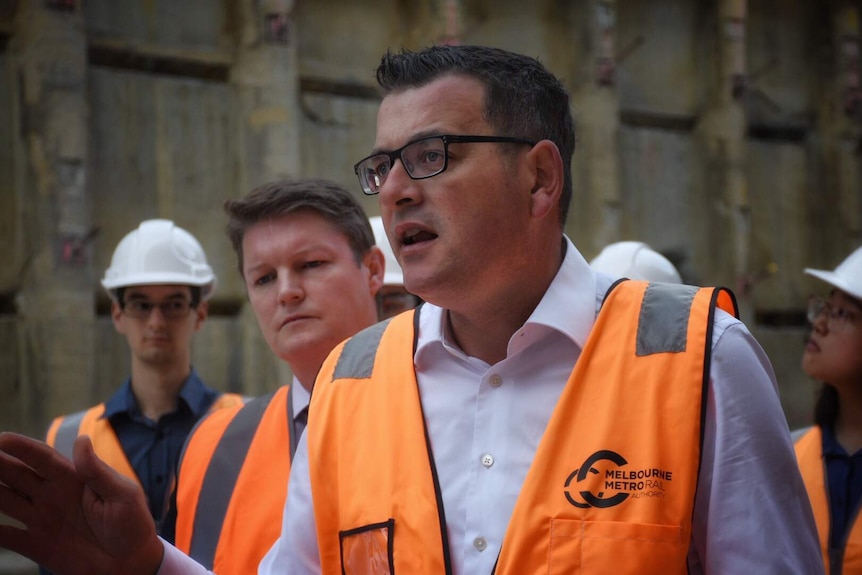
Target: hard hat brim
(837, 281)
(207, 285)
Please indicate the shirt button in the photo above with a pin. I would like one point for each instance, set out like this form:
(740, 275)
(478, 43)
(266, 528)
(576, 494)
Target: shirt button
(496, 381)
(480, 544)
(487, 460)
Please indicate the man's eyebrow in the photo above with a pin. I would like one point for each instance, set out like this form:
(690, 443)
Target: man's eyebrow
(415, 137)
(140, 296)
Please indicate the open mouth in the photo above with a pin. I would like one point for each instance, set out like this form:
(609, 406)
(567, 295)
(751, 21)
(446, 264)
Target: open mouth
(415, 236)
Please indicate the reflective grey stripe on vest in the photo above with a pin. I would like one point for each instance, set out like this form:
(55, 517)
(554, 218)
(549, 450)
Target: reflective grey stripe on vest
(662, 328)
(67, 432)
(798, 434)
(663, 320)
(357, 358)
(220, 479)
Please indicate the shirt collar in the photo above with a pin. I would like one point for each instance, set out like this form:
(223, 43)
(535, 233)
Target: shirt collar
(576, 288)
(194, 394)
(831, 447)
(300, 397)
(574, 291)
(123, 401)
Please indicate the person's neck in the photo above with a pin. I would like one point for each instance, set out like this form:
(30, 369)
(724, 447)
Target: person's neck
(305, 373)
(483, 328)
(157, 390)
(848, 427)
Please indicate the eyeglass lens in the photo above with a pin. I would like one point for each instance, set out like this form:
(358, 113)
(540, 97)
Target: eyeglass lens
(171, 309)
(422, 159)
(836, 319)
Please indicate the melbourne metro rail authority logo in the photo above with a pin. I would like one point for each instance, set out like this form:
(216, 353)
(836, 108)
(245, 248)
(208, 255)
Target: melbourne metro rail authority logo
(601, 481)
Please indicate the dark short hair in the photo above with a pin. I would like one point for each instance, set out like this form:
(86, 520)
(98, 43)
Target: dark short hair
(522, 98)
(275, 199)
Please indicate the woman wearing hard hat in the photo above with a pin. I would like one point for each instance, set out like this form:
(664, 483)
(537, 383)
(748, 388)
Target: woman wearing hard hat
(830, 452)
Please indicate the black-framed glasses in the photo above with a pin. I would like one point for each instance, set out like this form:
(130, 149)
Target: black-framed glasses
(170, 309)
(837, 319)
(422, 158)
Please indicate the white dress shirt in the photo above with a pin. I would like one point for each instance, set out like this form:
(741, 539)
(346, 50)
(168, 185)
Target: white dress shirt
(751, 512)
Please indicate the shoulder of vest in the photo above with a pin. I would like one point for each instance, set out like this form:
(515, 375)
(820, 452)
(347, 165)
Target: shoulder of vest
(73, 420)
(356, 360)
(262, 401)
(798, 434)
(69, 428)
(229, 400)
(664, 313)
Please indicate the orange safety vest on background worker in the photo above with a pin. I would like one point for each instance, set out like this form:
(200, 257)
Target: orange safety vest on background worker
(232, 484)
(601, 496)
(809, 454)
(64, 430)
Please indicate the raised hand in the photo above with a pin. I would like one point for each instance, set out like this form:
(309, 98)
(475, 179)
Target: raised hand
(81, 518)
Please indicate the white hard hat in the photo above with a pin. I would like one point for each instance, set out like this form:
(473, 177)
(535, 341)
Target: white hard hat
(636, 261)
(847, 276)
(159, 252)
(392, 275)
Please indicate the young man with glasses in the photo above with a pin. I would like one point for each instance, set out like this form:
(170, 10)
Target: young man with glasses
(159, 283)
(519, 421)
(830, 452)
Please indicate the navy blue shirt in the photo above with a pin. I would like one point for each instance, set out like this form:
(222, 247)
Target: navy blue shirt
(153, 447)
(844, 481)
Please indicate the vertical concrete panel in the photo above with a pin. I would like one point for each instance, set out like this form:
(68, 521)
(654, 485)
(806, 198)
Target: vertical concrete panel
(122, 156)
(265, 79)
(657, 46)
(720, 135)
(779, 232)
(260, 369)
(113, 363)
(797, 391)
(191, 25)
(659, 197)
(596, 110)
(55, 303)
(337, 132)
(784, 45)
(215, 356)
(344, 40)
(164, 147)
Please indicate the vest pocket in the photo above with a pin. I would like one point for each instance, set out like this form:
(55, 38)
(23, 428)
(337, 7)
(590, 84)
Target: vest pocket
(367, 550)
(615, 548)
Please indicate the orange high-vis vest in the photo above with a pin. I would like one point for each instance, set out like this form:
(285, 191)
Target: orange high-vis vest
(232, 484)
(809, 454)
(611, 488)
(64, 430)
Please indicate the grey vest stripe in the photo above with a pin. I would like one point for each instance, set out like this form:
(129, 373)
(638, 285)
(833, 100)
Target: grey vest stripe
(357, 358)
(67, 432)
(220, 479)
(797, 434)
(663, 321)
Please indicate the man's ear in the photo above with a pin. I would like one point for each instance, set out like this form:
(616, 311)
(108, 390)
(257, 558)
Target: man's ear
(376, 264)
(548, 179)
(201, 311)
(116, 316)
